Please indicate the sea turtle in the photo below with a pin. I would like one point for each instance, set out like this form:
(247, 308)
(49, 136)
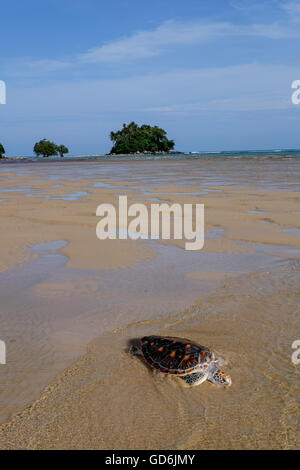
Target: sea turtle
(189, 361)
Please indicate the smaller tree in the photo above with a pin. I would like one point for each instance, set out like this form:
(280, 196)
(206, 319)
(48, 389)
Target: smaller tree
(2, 151)
(62, 149)
(45, 147)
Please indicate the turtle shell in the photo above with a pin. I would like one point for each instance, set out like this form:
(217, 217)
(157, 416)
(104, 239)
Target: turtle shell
(175, 355)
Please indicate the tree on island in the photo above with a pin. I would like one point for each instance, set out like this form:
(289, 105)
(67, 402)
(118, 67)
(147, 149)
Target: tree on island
(62, 149)
(2, 151)
(45, 147)
(145, 139)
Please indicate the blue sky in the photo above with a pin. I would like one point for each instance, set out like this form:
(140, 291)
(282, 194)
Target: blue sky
(215, 74)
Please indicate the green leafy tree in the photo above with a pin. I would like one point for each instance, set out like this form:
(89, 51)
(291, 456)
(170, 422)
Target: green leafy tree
(132, 138)
(62, 149)
(2, 151)
(45, 147)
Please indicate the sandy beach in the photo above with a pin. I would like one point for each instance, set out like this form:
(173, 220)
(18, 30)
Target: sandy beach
(70, 303)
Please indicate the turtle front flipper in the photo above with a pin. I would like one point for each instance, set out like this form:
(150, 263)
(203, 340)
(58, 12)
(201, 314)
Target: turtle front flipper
(196, 378)
(219, 377)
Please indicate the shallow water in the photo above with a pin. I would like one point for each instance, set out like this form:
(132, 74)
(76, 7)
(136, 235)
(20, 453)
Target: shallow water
(243, 305)
(260, 173)
(58, 310)
(66, 197)
(242, 321)
(296, 231)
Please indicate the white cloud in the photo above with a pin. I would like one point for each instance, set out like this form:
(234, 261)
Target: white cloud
(239, 103)
(236, 88)
(273, 31)
(145, 44)
(292, 9)
(252, 5)
(28, 67)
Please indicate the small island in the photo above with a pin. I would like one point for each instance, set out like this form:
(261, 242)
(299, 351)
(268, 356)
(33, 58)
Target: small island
(2, 151)
(132, 139)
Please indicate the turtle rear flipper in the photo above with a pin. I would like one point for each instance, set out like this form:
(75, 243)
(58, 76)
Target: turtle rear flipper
(196, 378)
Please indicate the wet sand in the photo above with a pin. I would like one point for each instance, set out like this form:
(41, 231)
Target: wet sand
(238, 296)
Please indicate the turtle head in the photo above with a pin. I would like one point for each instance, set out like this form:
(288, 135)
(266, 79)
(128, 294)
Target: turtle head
(135, 347)
(218, 377)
